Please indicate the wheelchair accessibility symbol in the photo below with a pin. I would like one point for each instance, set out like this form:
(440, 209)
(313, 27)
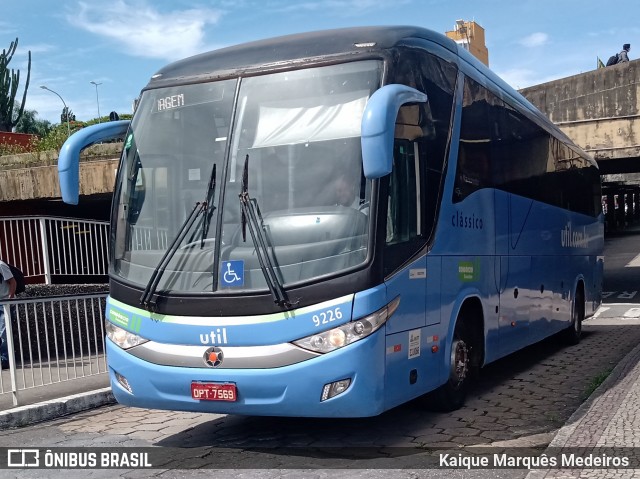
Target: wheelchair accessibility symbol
(232, 273)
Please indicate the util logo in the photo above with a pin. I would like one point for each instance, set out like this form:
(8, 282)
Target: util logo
(571, 237)
(219, 336)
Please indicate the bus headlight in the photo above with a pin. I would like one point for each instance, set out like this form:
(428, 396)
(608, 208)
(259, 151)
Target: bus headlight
(351, 332)
(122, 337)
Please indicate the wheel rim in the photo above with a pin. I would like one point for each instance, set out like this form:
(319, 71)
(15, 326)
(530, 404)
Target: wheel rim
(459, 362)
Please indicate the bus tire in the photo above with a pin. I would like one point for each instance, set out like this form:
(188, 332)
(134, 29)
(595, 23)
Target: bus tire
(452, 394)
(573, 333)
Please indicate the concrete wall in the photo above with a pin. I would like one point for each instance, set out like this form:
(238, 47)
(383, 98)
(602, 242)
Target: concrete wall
(35, 175)
(42, 181)
(599, 110)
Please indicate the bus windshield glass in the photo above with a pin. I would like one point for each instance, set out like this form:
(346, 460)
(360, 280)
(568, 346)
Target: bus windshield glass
(296, 139)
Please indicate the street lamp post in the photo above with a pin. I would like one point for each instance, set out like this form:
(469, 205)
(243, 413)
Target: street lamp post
(97, 99)
(66, 110)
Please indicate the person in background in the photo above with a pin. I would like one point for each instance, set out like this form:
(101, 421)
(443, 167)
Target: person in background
(345, 190)
(7, 291)
(623, 56)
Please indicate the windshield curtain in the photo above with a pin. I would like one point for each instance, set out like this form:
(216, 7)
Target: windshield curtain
(297, 132)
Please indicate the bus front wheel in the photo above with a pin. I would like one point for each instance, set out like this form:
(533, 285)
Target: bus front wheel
(452, 394)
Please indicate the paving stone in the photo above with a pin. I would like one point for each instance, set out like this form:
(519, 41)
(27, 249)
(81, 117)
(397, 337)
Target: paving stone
(444, 445)
(462, 431)
(466, 413)
(508, 414)
(148, 435)
(149, 427)
(511, 422)
(483, 420)
(428, 439)
(448, 422)
(471, 440)
(496, 435)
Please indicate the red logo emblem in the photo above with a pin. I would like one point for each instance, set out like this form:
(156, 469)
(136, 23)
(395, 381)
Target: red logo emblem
(213, 357)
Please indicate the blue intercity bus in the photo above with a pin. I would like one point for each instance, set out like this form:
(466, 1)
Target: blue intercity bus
(331, 224)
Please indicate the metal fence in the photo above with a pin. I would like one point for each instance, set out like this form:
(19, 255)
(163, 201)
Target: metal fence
(52, 340)
(44, 247)
(145, 238)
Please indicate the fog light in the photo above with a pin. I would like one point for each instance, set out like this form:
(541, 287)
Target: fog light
(333, 389)
(123, 382)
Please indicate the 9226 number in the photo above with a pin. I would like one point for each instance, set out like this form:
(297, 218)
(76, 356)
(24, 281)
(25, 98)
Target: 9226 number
(327, 316)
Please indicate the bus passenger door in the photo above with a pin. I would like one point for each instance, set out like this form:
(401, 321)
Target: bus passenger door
(405, 237)
(410, 365)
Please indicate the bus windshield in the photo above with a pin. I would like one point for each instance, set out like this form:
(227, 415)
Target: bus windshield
(294, 136)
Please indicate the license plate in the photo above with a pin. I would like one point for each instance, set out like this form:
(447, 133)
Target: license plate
(214, 391)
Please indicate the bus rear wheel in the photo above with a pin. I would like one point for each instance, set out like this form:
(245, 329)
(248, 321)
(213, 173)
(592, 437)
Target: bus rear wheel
(573, 333)
(452, 394)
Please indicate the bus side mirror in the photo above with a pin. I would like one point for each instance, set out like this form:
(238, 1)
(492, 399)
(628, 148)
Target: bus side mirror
(378, 127)
(69, 158)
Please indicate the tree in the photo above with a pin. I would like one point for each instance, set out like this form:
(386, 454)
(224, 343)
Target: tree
(67, 115)
(9, 81)
(29, 123)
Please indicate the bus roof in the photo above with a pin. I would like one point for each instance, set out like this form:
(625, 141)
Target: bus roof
(285, 51)
(279, 52)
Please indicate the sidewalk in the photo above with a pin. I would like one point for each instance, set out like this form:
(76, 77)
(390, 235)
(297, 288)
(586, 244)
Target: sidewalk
(608, 420)
(54, 400)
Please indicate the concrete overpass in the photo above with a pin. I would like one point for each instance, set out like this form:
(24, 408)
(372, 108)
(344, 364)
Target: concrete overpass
(29, 183)
(599, 110)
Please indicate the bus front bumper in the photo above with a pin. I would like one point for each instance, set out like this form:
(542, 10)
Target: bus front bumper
(293, 390)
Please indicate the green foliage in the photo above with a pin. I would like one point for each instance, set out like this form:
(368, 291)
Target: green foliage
(105, 119)
(9, 81)
(52, 137)
(595, 382)
(29, 123)
(11, 150)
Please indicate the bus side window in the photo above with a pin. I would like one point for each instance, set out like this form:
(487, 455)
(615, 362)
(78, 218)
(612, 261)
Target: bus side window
(477, 138)
(137, 192)
(404, 230)
(413, 122)
(403, 209)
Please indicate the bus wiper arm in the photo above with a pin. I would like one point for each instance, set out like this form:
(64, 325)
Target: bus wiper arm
(209, 206)
(149, 291)
(251, 216)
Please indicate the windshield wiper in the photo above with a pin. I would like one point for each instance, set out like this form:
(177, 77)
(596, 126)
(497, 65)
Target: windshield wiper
(209, 206)
(206, 206)
(251, 215)
(149, 291)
